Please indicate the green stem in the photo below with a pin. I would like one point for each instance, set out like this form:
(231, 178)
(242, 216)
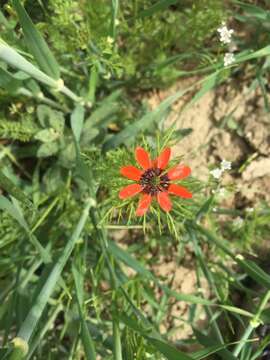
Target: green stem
(25, 92)
(17, 61)
(251, 327)
(66, 91)
(117, 349)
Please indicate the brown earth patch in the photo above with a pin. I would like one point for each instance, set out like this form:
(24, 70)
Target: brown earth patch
(228, 123)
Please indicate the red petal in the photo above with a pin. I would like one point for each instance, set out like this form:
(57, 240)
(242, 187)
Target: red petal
(143, 158)
(130, 191)
(178, 172)
(164, 201)
(144, 204)
(163, 159)
(180, 191)
(131, 172)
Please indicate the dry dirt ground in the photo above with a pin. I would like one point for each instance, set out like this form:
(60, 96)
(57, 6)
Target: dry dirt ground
(228, 123)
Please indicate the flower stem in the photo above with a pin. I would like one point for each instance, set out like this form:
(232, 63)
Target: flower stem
(252, 324)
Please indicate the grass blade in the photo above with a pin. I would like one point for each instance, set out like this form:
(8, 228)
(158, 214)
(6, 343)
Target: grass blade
(14, 191)
(87, 340)
(8, 81)
(13, 209)
(126, 258)
(251, 268)
(254, 271)
(36, 44)
(167, 350)
(130, 132)
(31, 321)
(77, 118)
(117, 348)
(159, 6)
(17, 61)
(115, 8)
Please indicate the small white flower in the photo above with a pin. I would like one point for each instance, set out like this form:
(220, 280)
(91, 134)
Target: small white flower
(249, 209)
(214, 209)
(225, 34)
(229, 59)
(117, 22)
(216, 173)
(239, 257)
(238, 222)
(226, 165)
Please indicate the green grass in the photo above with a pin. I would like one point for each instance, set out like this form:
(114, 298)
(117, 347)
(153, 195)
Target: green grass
(72, 86)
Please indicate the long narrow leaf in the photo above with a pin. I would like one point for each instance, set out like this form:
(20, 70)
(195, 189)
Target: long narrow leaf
(36, 44)
(31, 320)
(87, 340)
(77, 118)
(13, 209)
(117, 348)
(130, 261)
(167, 350)
(159, 6)
(17, 61)
(14, 191)
(251, 268)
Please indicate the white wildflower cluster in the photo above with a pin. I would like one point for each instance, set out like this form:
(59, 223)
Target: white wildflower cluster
(225, 37)
(229, 58)
(225, 34)
(217, 172)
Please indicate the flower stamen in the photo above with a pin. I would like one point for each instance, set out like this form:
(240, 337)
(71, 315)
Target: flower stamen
(153, 182)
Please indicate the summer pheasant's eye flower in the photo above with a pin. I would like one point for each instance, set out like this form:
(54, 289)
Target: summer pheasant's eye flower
(154, 181)
(225, 34)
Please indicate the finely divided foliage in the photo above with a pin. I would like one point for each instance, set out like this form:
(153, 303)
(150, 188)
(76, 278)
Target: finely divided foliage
(103, 224)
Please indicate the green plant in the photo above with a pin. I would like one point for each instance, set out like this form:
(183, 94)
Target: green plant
(78, 270)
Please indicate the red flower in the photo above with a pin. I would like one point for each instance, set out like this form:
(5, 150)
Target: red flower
(154, 181)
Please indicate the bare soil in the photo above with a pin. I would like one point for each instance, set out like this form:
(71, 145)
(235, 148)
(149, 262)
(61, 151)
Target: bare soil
(228, 123)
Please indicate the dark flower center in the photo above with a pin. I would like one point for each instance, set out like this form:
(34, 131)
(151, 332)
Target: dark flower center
(153, 181)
